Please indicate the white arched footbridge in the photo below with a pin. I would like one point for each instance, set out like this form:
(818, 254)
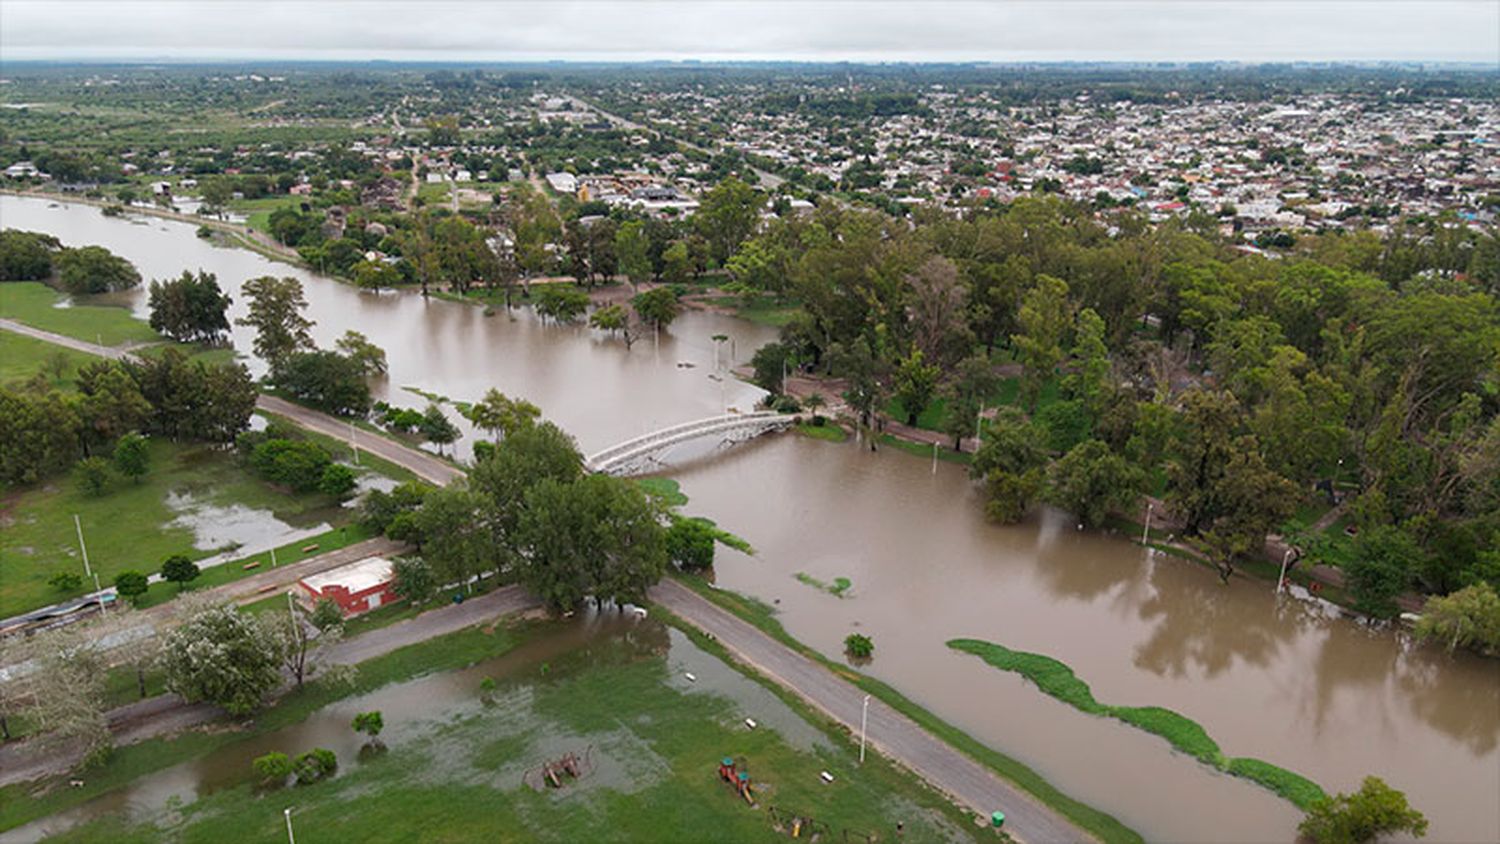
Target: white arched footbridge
(636, 455)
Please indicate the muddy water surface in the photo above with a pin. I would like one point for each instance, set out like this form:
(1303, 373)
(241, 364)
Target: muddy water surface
(1287, 681)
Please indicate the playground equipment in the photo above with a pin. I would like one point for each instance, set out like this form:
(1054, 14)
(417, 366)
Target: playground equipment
(730, 771)
(795, 825)
(556, 773)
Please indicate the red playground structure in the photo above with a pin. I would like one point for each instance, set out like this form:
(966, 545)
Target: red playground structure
(729, 772)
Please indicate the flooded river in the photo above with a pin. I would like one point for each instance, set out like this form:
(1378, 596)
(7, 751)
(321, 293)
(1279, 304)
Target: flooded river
(1289, 681)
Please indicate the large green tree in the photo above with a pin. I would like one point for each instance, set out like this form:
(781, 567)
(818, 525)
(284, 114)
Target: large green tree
(276, 315)
(190, 308)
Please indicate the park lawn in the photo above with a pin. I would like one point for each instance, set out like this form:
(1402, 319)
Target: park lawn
(35, 304)
(129, 527)
(766, 310)
(21, 357)
(293, 552)
(657, 743)
(258, 211)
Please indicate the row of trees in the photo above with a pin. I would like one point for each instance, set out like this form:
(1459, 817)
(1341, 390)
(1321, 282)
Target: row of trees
(43, 431)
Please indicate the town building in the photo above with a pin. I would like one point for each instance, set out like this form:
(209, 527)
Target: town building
(356, 588)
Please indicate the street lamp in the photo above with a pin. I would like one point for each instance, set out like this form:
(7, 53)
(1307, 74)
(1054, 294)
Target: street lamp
(287, 812)
(864, 715)
(87, 570)
(1146, 531)
(1281, 580)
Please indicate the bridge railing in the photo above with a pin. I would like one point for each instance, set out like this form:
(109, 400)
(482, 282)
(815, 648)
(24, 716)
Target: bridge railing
(666, 433)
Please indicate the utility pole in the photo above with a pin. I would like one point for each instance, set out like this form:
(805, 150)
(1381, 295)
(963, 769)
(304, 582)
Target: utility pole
(291, 839)
(354, 444)
(87, 569)
(1146, 531)
(1281, 580)
(934, 458)
(864, 715)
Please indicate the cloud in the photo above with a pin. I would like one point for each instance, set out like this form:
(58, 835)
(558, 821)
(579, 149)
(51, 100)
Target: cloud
(819, 30)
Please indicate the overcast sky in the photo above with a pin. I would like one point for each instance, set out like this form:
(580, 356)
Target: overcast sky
(911, 30)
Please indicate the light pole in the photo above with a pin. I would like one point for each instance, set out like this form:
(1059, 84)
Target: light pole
(87, 569)
(934, 458)
(864, 715)
(99, 590)
(1281, 580)
(287, 812)
(353, 443)
(1146, 531)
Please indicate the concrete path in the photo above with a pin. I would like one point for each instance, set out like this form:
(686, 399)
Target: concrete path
(894, 734)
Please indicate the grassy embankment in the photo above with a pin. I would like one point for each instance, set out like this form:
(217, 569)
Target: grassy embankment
(657, 742)
(1058, 680)
(1100, 824)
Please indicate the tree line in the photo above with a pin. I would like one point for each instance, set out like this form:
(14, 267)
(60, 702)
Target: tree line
(1114, 360)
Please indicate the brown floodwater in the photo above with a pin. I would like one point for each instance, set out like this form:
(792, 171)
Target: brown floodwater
(1289, 680)
(601, 393)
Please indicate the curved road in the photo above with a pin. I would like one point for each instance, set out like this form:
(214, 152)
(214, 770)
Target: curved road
(896, 735)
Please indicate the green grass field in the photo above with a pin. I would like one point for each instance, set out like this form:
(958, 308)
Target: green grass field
(129, 527)
(35, 304)
(22, 357)
(657, 741)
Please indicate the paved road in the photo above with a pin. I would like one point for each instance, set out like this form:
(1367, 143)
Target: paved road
(418, 462)
(167, 714)
(894, 734)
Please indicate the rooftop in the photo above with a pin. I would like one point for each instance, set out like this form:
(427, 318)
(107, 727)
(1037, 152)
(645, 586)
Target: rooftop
(355, 577)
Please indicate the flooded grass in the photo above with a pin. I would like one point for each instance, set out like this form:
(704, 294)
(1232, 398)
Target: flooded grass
(1058, 680)
(459, 770)
(664, 490)
(828, 431)
(36, 304)
(133, 526)
(1101, 824)
(838, 588)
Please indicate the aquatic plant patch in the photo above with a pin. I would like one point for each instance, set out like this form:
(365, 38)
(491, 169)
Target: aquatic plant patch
(1183, 733)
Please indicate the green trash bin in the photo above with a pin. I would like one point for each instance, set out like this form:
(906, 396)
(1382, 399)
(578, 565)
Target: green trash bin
(997, 819)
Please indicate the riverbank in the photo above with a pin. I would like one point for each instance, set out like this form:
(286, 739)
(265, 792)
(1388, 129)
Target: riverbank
(975, 775)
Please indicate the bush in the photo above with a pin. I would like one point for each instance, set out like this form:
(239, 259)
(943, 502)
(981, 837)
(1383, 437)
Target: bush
(65, 581)
(299, 464)
(859, 646)
(274, 767)
(93, 475)
(179, 570)
(131, 584)
(690, 544)
(1374, 810)
(337, 481)
(316, 764)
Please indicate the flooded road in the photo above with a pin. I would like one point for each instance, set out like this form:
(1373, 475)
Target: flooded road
(1287, 681)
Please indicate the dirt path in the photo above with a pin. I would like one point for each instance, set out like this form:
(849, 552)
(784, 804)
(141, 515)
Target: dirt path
(891, 732)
